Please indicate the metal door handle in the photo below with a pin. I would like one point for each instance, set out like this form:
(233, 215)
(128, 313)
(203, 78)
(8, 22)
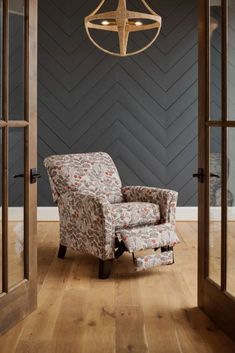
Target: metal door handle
(34, 175)
(199, 175)
(18, 176)
(212, 175)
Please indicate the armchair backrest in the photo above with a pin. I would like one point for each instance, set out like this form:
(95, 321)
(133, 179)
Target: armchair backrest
(93, 173)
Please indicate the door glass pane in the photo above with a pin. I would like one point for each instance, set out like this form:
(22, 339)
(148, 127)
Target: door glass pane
(1, 210)
(1, 6)
(215, 60)
(231, 213)
(16, 207)
(231, 59)
(16, 57)
(215, 205)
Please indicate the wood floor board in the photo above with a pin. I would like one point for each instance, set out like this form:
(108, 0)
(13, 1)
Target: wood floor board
(10, 340)
(40, 324)
(127, 292)
(157, 316)
(35, 346)
(130, 330)
(150, 312)
(71, 321)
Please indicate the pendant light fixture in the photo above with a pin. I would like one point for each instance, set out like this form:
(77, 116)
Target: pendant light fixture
(123, 22)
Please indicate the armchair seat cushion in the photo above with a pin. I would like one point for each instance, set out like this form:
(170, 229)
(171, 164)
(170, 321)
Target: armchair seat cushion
(132, 214)
(147, 237)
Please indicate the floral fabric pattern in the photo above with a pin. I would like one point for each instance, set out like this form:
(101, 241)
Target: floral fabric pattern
(93, 173)
(147, 237)
(130, 214)
(86, 224)
(152, 260)
(166, 199)
(94, 208)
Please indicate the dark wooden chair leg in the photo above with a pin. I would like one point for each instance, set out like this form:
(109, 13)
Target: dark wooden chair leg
(62, 251)
(104, 268)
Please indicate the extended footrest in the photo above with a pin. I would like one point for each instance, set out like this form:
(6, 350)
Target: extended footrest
(147, 237)
(152, 260)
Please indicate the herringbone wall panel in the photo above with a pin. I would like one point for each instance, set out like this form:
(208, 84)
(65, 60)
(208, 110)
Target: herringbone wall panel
(142, 110)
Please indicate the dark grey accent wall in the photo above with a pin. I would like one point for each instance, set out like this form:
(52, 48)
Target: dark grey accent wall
(142, 110)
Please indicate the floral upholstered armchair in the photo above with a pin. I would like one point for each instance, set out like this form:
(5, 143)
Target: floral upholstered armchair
(100, 217)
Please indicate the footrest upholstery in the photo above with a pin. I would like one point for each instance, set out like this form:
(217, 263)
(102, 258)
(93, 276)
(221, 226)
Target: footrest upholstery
(148, 261)
(148, 237)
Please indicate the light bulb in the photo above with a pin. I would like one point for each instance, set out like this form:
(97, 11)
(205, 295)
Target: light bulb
(105, 23)
(138, 23)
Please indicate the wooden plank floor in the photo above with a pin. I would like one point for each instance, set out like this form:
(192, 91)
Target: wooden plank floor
(149, 312)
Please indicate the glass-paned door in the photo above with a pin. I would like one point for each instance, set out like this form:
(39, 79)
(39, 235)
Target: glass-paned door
(216, 265)
(18, 94)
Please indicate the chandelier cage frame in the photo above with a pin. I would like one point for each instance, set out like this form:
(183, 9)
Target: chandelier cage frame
(123, 22)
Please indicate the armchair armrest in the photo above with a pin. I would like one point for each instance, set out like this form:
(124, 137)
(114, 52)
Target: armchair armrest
(87, 221)
(166, 199)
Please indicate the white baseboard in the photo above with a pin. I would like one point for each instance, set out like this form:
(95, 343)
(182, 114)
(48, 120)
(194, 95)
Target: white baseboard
(50, 214)
(186, 214)
(182, 214)
(191, 213)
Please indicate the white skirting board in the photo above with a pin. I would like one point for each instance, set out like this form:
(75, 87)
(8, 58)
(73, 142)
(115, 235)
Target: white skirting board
(182, 214)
